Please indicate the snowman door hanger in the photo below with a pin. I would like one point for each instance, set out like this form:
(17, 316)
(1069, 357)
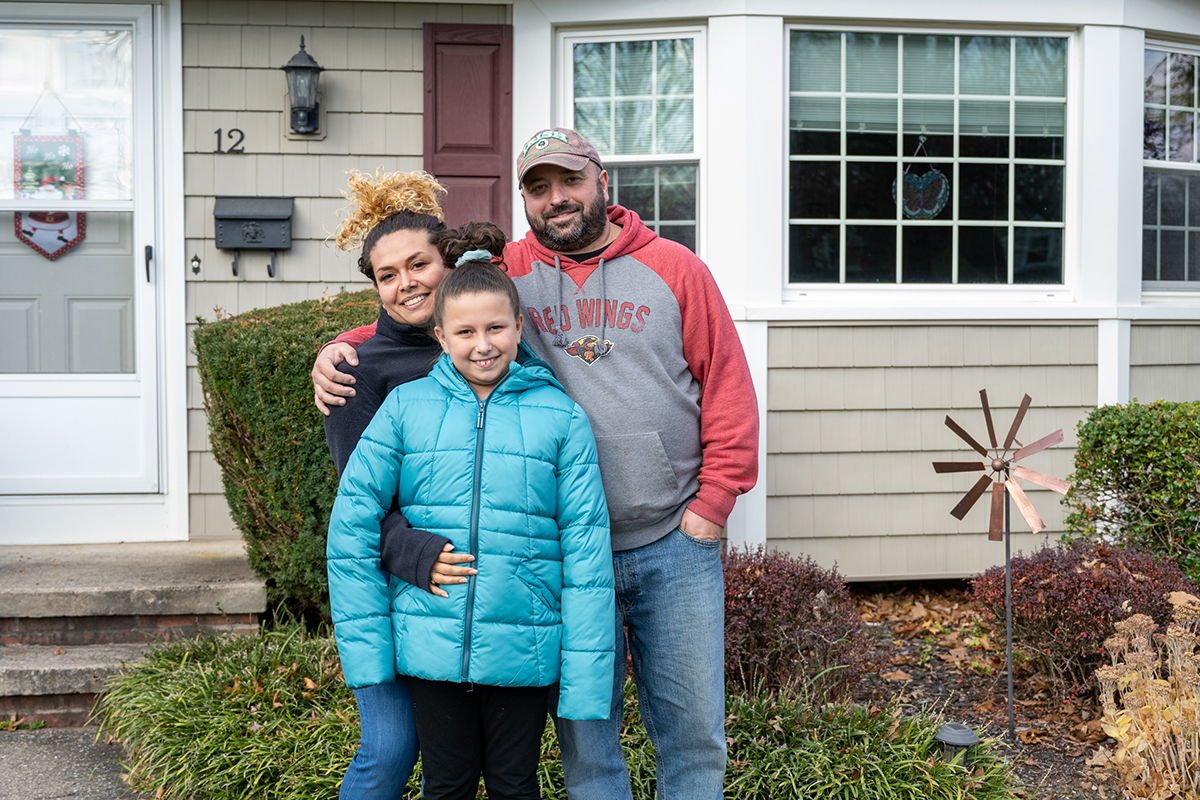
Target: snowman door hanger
(49, 168)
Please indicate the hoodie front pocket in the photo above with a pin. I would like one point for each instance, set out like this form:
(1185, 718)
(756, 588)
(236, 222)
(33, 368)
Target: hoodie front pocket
(639, 483)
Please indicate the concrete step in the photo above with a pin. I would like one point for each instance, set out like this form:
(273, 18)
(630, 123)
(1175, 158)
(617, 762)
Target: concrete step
(70, 615)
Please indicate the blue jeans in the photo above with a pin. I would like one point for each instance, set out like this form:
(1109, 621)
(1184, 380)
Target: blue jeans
(387, 751)
(671, 600)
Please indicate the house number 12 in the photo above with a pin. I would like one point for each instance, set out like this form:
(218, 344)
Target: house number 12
(235, 146)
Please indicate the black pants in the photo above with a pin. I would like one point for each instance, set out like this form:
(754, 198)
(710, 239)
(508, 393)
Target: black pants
(469, 729)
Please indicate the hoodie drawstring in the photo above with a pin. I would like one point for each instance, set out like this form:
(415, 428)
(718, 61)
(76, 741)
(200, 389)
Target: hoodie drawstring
(560, 338)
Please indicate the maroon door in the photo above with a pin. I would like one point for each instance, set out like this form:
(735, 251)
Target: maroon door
(468, 119)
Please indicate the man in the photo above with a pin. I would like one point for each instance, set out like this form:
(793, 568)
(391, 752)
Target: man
(637, 332)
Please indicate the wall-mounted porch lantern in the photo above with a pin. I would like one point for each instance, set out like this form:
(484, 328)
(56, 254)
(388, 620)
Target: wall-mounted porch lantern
(302, 72)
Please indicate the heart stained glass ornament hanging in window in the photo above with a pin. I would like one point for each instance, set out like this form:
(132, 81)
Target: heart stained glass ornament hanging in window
(924, 195)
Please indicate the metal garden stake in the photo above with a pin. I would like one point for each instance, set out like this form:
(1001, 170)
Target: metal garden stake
(1003, 469)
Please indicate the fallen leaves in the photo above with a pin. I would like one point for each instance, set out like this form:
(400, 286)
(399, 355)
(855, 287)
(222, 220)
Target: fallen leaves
(896, 675)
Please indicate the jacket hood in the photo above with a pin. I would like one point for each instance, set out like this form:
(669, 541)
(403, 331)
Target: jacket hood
(634, 236)
(525, 373)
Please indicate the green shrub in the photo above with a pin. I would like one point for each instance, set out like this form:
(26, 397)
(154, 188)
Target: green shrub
(1066, 599)
(267, 716)
(269, 439)
(1137, 480)
(790, 622)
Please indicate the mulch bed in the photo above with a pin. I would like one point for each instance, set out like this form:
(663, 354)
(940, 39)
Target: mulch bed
(943, 661)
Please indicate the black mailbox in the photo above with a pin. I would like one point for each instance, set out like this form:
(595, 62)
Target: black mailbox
(253, 223)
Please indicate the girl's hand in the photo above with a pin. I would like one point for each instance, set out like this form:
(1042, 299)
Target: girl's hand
(446, 570)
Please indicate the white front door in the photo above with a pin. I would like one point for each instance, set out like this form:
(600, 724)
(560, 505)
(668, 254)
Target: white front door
(80, 304)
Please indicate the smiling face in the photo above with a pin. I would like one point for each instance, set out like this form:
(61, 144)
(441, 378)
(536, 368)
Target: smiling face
(481, 333)
(566, 209)
(407, 270)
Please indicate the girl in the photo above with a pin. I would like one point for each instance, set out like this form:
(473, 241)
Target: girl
(491, 454)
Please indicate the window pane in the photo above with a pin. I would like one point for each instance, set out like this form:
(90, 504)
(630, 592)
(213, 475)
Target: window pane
(1041, 67)
(870, 127)
(869, 190)
(1155, 76)
(1037, 256)
(816, 61)
(929, 64)
(1181, 142)
(69, 96)
(927, 252)
(870, 254)
(982, 255)
(1183, 80)
(983, 191)
(635, 97)
(674, 126)
(1040, 129)
(816, 190)
(1149, 198)
(664, 197)
(634, 69)
(594, 121)
(1171, 199)
(593, 69)
(1150, 255)
(1171, 255)
(677, 193)
(1154, 134)
(634, 186)
(983, 64)
(683, 234)
(1193, 262)
(871, 60)
(813, 254)
(932, 165)
(676, 66)
(632, 132)
(1039, 193)
(1193, 213)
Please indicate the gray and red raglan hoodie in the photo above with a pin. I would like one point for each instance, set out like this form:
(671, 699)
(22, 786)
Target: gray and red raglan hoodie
(641, 338)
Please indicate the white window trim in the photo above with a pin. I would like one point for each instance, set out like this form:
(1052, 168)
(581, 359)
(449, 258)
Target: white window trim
(940, 296)
(565, 110)
(1168, 291)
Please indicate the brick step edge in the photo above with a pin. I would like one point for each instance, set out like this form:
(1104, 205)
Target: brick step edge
(31, 670)
(52, 710)
(118, 629)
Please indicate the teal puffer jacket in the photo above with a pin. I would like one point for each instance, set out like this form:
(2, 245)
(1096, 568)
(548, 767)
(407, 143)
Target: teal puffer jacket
(514, 480)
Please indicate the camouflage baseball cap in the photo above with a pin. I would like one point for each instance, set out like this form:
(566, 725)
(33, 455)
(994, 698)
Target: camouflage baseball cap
(560, 146)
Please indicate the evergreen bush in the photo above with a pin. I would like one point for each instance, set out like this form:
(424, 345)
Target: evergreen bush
(1137, 480)
(791, 623)
(1066, 599)
(269, 439)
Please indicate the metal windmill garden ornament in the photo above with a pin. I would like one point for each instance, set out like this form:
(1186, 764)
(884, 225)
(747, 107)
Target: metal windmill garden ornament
(999, 470)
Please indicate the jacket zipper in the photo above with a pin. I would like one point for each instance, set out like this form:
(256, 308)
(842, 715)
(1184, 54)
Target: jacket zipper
(476, 490)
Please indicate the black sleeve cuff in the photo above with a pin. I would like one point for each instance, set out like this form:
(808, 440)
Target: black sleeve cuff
(406, 552)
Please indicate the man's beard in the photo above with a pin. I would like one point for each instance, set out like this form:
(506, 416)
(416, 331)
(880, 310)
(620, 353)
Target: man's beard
(587, 229)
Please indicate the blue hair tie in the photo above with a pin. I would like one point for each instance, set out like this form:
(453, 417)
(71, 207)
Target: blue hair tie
(474, 255)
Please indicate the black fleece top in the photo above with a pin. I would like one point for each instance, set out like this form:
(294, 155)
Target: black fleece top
(396, 354)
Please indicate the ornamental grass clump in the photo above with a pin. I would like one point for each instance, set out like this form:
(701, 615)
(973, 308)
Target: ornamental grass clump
(791, 623)
(267, 716)
(1065, 600)
(1151, 698)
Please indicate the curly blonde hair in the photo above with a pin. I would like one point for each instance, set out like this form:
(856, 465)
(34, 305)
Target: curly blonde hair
(385, 203)
(385, 194)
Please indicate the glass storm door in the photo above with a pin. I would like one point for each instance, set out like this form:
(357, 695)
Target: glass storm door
(78, 309)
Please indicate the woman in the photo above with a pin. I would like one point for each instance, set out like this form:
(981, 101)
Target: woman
(396, 219)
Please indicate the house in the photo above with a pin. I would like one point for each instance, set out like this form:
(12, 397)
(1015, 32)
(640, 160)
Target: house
(903, 203)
